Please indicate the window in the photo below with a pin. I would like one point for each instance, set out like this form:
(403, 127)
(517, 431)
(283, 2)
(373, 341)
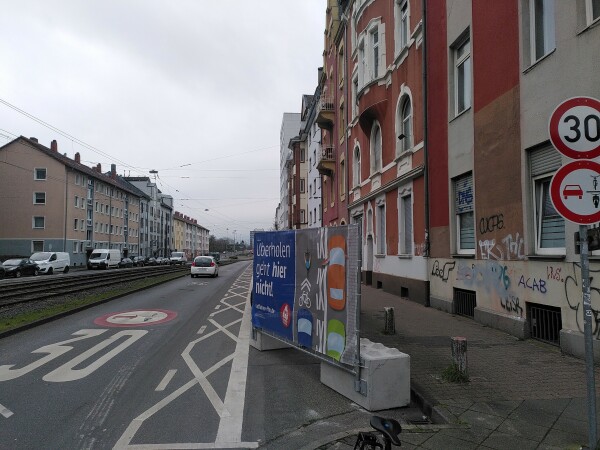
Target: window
(541, 26)
(465, 223)
(592, 10)
(549, 226)
(342, 178)
(376, 149)
(39, 198)
(402, 28)
(302, 185)
(76, 202)
(39, 222)
(381, 229)
(75, 247)
(405, 134)
(375, 49)
(39, 174)
(462, 76)
(355, 96)
(76, 223)
(302, 155)
(77, 179)
(302, 216)
(406, 247)
(356, 167)
(37, 246)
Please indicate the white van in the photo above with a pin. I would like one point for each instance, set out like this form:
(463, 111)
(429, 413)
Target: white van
(178, 258)
(50, 262)
(104, 258)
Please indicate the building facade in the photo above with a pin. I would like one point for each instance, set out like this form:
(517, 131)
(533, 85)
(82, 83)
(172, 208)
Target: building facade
(189, 236)
(290, 125)
(58, 204)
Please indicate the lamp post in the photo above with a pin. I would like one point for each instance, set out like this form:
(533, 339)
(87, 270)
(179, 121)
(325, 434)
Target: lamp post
(234, 232)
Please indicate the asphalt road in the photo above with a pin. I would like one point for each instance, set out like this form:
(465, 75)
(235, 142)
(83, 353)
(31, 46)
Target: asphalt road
(151, 369)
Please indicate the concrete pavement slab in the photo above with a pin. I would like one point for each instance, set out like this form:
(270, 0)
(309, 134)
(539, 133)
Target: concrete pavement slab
(503, 441)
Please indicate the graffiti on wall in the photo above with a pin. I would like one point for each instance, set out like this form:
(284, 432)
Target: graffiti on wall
(494, 277)
(574, 296)
(442, 272)
(490, 224)
(512, 247)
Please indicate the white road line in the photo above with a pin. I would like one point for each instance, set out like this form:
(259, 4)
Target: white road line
(218, 307)
(4, 411)
(230, 428)
(165, 381)
(202, 329)
(224, 330)
(193, 446)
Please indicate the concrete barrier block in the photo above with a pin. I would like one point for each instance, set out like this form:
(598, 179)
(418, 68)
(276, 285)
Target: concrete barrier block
(263, 342)
(385, 372)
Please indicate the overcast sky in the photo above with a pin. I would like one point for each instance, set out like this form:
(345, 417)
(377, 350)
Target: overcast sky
(195, 89)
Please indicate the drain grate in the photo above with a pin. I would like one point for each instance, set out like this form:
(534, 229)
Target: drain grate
(545, 323)
(464, 302)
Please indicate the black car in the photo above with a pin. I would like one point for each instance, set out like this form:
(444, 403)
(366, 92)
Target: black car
(2, 271)
(125, 262)
(139, 261)
(150, 261)
(19, 267)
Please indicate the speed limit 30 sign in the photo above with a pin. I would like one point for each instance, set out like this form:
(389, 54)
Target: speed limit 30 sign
(575, 128)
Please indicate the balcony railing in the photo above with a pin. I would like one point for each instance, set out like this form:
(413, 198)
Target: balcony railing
(327, 153)
(326, 162)
(325, 103)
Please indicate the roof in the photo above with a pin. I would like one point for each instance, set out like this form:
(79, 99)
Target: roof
(91, 172)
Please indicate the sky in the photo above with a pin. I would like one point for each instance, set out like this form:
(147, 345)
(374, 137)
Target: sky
(194, 89)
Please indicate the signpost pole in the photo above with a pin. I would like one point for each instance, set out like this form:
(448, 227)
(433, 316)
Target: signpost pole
(357, 384)
(589, 344)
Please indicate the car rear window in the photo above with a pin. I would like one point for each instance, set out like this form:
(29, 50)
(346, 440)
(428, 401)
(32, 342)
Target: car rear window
(203, 262)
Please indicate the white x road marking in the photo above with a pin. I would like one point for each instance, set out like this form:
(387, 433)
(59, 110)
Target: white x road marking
(231, 410)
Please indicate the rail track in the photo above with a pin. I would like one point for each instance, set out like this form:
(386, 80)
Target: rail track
(38, 288)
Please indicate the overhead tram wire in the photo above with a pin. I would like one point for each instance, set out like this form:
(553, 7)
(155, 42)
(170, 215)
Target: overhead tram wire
(68, 136)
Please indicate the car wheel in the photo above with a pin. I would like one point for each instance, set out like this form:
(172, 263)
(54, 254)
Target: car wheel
(36, 272)
(217, 274)
(17, 274)
(66, 269)
(50, 271)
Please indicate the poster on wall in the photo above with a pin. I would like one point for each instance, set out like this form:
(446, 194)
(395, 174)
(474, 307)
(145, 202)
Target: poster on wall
(305, 289)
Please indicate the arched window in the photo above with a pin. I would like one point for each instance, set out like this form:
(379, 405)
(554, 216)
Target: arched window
(356, 168)
(376, 148)
(405, 135)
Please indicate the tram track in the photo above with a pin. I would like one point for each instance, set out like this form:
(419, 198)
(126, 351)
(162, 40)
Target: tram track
(45, 287)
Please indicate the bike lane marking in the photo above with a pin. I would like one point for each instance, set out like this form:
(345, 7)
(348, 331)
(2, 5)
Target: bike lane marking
(166, 380)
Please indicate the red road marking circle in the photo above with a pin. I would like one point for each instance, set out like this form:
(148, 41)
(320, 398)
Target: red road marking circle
(136, 318)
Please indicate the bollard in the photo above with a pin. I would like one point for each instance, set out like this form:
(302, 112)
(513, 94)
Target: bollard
(459, 354)
(390, 325)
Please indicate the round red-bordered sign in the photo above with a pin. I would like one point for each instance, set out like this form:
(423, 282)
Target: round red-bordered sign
(574, 128)
(136, 318)
(575, 192)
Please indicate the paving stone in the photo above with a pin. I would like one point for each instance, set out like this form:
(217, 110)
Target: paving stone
(472, 434)
(415, 438)
(444, 441)
(526, 430)
(477, 419)
(503, 441)
(564, 439)
(497, 408)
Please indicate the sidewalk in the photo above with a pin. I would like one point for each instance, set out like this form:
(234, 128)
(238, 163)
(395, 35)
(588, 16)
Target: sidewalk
(521, 394)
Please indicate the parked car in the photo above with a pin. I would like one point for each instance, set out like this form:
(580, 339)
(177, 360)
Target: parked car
(150, 261)
(51, 262)
(139, 261)
(18, 267)
(159, 260)
(178, 258)
(204, 265)
(2, 272)
(103, 258)
(125, 262)
(165, 261)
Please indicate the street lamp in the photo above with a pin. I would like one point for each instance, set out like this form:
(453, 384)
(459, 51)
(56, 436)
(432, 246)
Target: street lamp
(234, 231)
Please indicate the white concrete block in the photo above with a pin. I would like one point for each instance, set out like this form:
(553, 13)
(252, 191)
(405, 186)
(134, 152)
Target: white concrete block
(386, 372)
(261, 341)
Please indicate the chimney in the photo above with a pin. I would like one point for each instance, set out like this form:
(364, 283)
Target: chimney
(113, 171)
(99, 168)
(78, 158)
(53, 145)
(34, 139)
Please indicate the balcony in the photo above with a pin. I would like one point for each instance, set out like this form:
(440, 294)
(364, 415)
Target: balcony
(325, 112)
(326, 161)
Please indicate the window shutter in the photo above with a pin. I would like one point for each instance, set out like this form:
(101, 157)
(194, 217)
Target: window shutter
(463, 197)
(544, 160)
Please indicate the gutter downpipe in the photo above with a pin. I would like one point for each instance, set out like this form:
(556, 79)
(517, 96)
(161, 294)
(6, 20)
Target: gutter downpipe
(426, 147)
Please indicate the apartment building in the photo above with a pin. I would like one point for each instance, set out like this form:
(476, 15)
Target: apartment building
(189, 236)
(54, 203)
(290, 125)
(500, 253)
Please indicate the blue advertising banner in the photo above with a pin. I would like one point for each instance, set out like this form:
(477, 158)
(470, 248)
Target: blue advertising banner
(305, 289)
(274, 282)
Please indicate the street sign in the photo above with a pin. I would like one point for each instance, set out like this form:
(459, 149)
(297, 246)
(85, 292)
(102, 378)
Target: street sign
(575, 128)
(575, 192)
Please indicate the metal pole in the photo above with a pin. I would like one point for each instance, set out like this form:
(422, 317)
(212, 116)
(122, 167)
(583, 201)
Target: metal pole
(589, 344)
(357, 384)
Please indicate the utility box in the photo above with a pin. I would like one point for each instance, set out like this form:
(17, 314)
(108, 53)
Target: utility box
(385, 378)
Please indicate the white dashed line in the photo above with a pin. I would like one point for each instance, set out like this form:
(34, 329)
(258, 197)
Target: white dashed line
(165, 381)
(202, 329)
(4, 411)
